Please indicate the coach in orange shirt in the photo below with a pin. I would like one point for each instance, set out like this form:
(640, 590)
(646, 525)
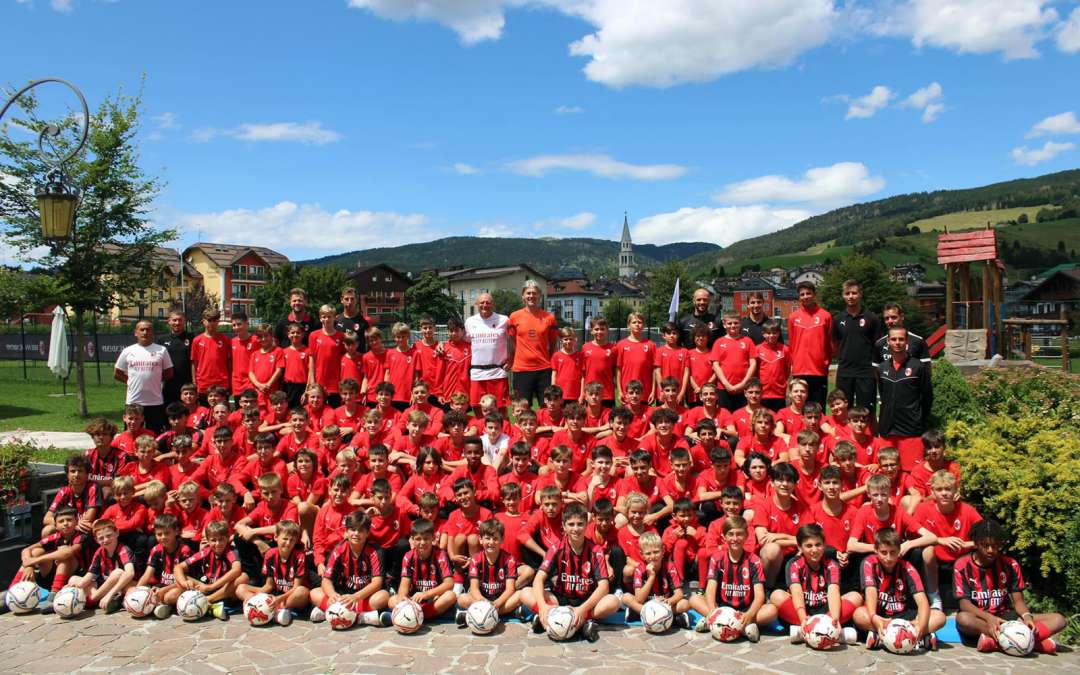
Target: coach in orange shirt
(533, 333)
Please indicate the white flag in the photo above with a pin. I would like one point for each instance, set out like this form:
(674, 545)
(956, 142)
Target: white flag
(673, 309)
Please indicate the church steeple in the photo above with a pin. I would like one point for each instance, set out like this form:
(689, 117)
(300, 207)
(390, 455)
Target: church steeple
(627, 269)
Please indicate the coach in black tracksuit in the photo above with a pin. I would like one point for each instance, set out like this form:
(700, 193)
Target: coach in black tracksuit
(854, 332)
(907, 396)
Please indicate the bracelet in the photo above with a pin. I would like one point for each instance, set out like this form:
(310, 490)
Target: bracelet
(1027, 614)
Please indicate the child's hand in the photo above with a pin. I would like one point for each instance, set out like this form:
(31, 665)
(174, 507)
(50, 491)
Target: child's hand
(954, 544)
(460, 560)
(262, 546)
(650, 568)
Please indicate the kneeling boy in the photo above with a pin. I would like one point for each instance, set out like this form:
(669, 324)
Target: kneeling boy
(353, 575)
(286, 572)
(214, 569)
(426, 577)
(657, 578)
(111, 571)
(492, 574)
(736, 579)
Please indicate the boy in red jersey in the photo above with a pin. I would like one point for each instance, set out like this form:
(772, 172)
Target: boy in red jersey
(429, 363)
(244, 436)
(777, 518)
(740, 418)
(762, 439)
(211, 355)
(407, 445)
(243, 346)
(597, 415)
(429, 477)
(374, 365)
(186, 504)
(551, 417)
(543, 529)
(521, 473)
(684, 537)
(451, 442)
(52, 560)
(111, 571)
(257, 527)
(285, 571)
(899, 484)
(349, 416)
(483, 477)
(224, 506)
(353, 574)
(892, 589)
(329, 527)
(699, 365)
(736, 579)
(134, 427)
(920, 475)
(420, 402)
(659, 578)
(575, 438)
(603, 532)
(852, 477)
(306, 488)
(390, 526)
(377, 459)
(401, 365)
(326, 346)
(512, 520)
(245, 480)
(635, 360)
(619, 441)
(711, 483)
(276, 419)
(352, 367)
(566, 366)
(808, 489)
(774, 366)
(79, 493)
(146, 467)
(731, 501)
(574, 574)
(320, 414)
(296, 359)
(426, 577)
(810, 330)
(811, 421)
(493, 574)
(571, 487)
(723, 423)
(789, 419)
(198, 415)
(734, 359)
(214, 570)
(636, 505)
(602, 482)
(105, 459)
(951, 521)
(456, 355)
(813, 587)
(990, 588)
(859, 434)
(129, 515)
(670, 362)
(164, 556)
(660, 444)
(598, 361)
(681, 483)
(632, 401)
(641, 479)
(297, 435)
(836, 422)
(836, 518)
(879, 513)
(462, 535)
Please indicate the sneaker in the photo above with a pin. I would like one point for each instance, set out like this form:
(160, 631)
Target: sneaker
(627, 614)
(702, 625)
(618, 595)
(590, 632)
(219, 611)
(537, 627)
(935, 600)
(162, 611)
(795, 634)
(850, 635)
(752, 632)
(47, 603)
(872, 641)
(283, 617)
(385, 619)
(929, 642)
(521, 613)
(116, 602)
(459, 588)
(459, 618)
(987, 644)
(317, 615)
(1046, 646)
(683, 620)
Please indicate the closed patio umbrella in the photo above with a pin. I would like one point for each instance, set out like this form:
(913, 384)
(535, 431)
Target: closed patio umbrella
(58, 345)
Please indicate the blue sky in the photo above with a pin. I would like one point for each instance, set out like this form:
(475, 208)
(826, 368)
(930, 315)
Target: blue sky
(321, 127)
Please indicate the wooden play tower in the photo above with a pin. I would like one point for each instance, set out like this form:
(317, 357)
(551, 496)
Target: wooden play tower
(969, 304)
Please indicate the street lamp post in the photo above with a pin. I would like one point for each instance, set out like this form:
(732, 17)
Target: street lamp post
(57, 199)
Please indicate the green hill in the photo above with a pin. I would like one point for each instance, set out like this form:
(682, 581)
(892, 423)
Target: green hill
(547, 255)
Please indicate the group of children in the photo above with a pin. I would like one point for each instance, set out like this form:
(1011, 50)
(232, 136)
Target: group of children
(381, 487)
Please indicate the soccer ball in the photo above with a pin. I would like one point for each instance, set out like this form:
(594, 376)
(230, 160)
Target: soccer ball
(899, 637)
(340, 615)
(1015, 638)
(407, 617)
(656, 616)
(69, 602)
(140, 601)
(725, 624)
(482, 617)
(192, 605)
(23, 597)
(258, 609)
(821, 632)
(562, 623)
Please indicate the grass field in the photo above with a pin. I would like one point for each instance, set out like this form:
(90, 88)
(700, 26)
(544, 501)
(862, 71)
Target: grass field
(37, 403)
(970, 220)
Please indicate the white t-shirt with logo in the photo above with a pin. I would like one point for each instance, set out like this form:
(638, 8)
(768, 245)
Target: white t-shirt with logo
(489, 345)
(145, 367)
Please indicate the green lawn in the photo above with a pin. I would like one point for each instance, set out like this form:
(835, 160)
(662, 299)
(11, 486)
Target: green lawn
(970, 220)
(36, 403)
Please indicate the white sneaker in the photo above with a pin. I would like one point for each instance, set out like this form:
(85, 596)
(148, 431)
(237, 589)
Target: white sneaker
(459, 589)
(163, 611)
(317, 615)
(851, 636)
(618, 596)
(283, 617)
(795, 633)
(752, 632)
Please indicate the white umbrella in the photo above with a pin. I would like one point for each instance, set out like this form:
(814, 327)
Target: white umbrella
(58, 346)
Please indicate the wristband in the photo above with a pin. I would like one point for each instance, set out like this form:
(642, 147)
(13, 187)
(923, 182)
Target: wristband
(1027, 614)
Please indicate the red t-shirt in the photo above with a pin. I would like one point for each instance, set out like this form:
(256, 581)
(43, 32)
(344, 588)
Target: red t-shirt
(700, 364)
(671, 362)
(581, 448)
(628, 542)
(549, 530)
(210, 356)
(837, 528)
(374, 367)
(298, 487)
(532, 334)
(528, 483)
(263, 364)
(598, 363)
(327, 351)
(296, 365)
(810, 339)
(511, 527)
(778, 521)
(351, 368)
(568, 369)
(661, 451)
(263, 515)
(695, 415)
(457, 357)
(242, 351)
(429, 365)
(459, 523)
(956, 524)
(651, 489)
(919, 476)
(401, 371)
(619, 448)
(733, 355)
(774, 368)
(867, 523)
(635, 361)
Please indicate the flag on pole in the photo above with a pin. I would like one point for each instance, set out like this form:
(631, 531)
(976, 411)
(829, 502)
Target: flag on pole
(673, 309)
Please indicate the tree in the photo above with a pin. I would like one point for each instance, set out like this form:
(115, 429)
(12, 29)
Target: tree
(322, 286)
(661, 286)
(1022, 219)
(429, 296)
(617, 312)
(110, 255)
(877, 289)
(21, 292)
(506, 301)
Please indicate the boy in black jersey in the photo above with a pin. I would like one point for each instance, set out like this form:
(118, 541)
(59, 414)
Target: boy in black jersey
(426, 577)
(658, 578)
(164, 557)
(893, 590)
(286, 572)
(111, 571)
(736, 579)
(492, 574)
(990, 588)
(80, 494)
(214, 569)
(55, 558)
(574, 574)
(353, 575)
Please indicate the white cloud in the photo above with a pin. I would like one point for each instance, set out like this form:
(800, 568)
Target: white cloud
(495, 230)
(929, 100)
(1056, 125)
(867, 106)
(822, 186)
(724, 225)
(1012, 27)
(62, 5)
(465, 169)
(289, 226)
(569, 110)
(1068, 33)
(308, 133)
(166, 120)
(578, 221)
(596, 164)
(473, 20)
(1033, 156)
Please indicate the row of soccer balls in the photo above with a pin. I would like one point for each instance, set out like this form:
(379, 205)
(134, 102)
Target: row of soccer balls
(725, 623)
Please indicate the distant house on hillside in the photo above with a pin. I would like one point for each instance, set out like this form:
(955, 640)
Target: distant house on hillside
(1047, 297)
(908, 273)
(619, 289)
(171, 286)
(813, 276)
(572, 300)
(233, 272)
(467, 283)
(779, 300)
(381, 290)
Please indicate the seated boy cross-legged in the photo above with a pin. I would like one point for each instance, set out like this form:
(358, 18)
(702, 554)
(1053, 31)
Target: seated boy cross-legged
(492, 574)
(353, 575)
(659, 578)
(893, 590)
(574, 574)
(286, 572)
(736, 579)
(111, 571)
(426, 577)
(213, 570)
(55, 557)
(169, 552)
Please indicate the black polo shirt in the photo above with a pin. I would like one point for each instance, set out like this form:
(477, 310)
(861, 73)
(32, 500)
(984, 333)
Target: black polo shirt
(688, 322)
(179, 347)
(755, 330)
(855, 335)
(357, 324)
(281, 328)
(907, 395)
(916, 348)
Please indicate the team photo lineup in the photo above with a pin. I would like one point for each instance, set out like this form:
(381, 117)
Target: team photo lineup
(718, 481)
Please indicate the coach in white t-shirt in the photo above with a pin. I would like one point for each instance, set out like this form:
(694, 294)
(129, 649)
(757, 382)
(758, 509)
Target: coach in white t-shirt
(492, 353)
(142, 367)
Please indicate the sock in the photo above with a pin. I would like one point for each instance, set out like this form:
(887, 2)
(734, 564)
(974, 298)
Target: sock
(369, 618)
(678, 556)
(1041, 631)
(324, 604)
(846, 611)
(703, 567)
(17, 578)
(59, 581)
(788, 614)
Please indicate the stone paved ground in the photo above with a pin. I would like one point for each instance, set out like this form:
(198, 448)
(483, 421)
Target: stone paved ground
(118, 643)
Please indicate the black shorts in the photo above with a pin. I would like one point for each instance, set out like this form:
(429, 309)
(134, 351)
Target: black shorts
(908, 614)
